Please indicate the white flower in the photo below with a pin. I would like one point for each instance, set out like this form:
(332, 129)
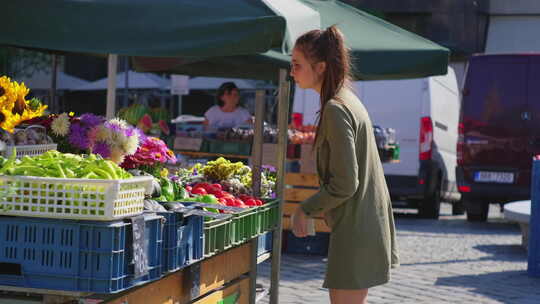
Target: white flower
(131, 144)
(60, 126)
(119, 122)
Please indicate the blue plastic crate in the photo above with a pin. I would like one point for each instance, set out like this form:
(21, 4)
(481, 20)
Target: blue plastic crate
(83, 256)
(310, 245)
(183, 240)
(265, 243)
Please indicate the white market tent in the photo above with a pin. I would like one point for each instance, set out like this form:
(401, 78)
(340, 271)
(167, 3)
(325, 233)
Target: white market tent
(42, 81)
(138, 80)
(135, 81)
(213, 83)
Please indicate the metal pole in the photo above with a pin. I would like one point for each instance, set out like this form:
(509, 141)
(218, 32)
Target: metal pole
(52, 92)
(111, 86)
(179, 105)
(258, 142)
(126, 79)
(256, 182)
(283, 119)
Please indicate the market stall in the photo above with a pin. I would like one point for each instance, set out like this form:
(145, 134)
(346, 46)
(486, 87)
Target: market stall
(194, 50)
(97, 213)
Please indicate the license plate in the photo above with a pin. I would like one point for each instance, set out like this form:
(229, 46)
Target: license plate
(494, 177)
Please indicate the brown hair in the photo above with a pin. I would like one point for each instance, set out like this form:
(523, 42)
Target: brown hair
(327, 46)
(225, 87)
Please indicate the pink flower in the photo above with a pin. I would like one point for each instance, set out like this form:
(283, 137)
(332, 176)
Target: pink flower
(152, 151)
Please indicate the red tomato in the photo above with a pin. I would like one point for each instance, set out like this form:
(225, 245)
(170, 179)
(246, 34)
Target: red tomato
(228, 195)
(230, 201)
(245, 197)
(259, 202)
(189, 189)
(239, 203)
(251, 202)
(213, 190)
(199, 191)
(205, 186)
(217, 186)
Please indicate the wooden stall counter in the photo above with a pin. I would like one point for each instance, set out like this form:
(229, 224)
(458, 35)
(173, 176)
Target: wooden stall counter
(221, 277)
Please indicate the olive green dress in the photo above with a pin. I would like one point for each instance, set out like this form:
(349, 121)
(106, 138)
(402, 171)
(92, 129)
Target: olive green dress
(353, 198)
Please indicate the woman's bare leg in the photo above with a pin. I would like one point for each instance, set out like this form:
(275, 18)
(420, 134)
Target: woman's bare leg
(348, 296)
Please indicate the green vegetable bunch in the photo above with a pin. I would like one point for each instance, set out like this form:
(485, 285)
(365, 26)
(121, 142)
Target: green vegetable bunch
(63, 165)
(223, 169)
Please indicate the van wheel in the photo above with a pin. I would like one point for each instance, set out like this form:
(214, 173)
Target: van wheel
(477, 211)
(431, 206)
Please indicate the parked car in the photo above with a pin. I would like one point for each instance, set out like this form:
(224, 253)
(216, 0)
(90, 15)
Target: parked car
(499, 130)
(424, 113)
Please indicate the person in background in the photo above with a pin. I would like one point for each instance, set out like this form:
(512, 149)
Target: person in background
(227, 113)
(157, 112)
(353, 197)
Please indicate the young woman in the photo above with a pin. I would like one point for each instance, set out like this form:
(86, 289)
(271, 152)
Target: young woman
(353, 196)
(227, 113)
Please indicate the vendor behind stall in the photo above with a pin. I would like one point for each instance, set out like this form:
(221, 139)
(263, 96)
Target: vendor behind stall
(227, 113)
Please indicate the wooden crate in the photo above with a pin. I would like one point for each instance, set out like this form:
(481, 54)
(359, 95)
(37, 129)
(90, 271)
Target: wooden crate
(300, 186)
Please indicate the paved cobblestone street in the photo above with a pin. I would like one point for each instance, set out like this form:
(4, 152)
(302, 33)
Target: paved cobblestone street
(445, 261)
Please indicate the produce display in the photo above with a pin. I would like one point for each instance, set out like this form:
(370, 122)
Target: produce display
(32, 135)
(246, 134)
(107, 172)
(303, 134)
(384, 136)
(217, 182)
(62, 165)
(299, 135)
(386, 143)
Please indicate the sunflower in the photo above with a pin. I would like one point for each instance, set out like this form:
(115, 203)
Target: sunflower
(8, 93)
(14, 108)
(9, 121)
(20, 103)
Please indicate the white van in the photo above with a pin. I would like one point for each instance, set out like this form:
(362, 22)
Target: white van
(425, 114)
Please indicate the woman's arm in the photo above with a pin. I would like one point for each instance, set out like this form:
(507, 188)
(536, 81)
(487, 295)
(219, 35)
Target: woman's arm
(343, 167)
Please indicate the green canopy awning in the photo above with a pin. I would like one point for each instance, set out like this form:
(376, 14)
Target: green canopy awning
(379, 50)
(166, 28)
(258, 66)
